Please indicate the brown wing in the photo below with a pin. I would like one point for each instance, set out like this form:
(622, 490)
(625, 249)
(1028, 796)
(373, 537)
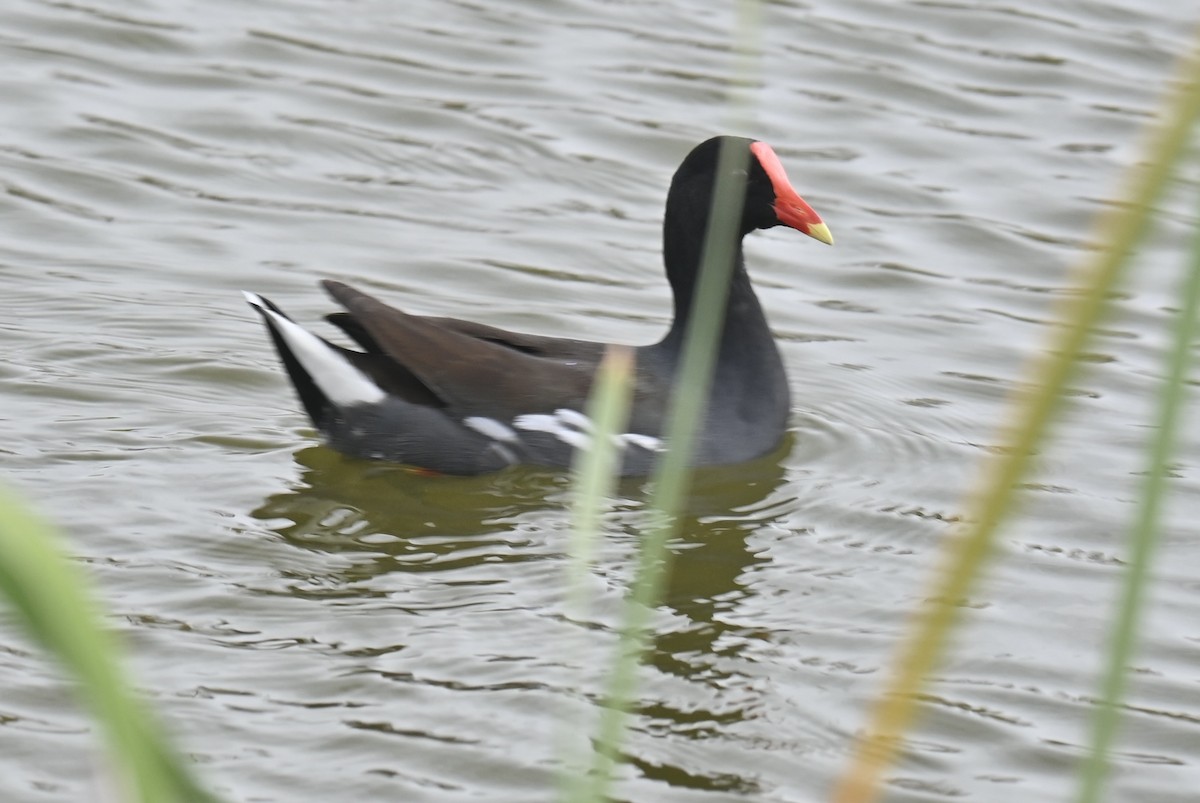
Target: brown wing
(555, 348)
(560, 348)
(473, 368)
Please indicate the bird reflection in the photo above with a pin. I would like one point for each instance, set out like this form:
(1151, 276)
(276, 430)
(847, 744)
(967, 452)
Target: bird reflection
(389, 519)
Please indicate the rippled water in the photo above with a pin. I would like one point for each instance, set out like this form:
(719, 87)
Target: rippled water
(316, 628)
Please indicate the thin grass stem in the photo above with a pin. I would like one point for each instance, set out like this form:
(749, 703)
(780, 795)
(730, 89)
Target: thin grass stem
(48, 592)
(595, 475)
(1120, 228)
(1143, 538)
(673, 472)
(687, 410)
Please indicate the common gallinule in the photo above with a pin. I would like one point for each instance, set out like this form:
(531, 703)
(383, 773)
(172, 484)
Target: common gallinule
(459, 397)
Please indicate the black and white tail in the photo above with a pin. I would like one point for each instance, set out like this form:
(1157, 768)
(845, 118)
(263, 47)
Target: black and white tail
(324, 377)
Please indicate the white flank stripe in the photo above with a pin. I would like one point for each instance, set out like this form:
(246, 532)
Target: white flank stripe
(574, 418)
(647, 442)
(545, 422)
(491, 428)
(536, 422)
(338, 379)
(574, 428)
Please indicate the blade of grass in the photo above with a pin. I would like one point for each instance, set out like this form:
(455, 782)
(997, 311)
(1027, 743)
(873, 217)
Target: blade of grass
(595, 469)
(595, 474)
(1120, 227)
(47, 591)
(672, 474)
(1143, 538)
(688, 401)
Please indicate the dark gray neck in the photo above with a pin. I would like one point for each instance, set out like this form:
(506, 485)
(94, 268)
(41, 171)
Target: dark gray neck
(749, 372)
(745, 324)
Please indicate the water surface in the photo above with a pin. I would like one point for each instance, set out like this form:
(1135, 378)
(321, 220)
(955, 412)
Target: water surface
(318, 628)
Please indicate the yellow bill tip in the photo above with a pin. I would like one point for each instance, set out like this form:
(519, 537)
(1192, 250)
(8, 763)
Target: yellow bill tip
(820, 232)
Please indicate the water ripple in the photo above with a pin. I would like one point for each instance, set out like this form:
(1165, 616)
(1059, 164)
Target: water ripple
(509, 163)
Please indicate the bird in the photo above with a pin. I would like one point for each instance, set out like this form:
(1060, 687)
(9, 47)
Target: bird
(450, 396)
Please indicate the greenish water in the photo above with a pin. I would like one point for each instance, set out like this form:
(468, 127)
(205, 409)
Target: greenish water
(316, 628)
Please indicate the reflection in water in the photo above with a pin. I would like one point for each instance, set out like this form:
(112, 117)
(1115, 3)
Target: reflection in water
(410, 517)
(708, 579)
(345, 504)
(389, 519)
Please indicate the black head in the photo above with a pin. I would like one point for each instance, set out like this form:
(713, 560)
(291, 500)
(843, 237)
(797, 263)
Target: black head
(770, 199)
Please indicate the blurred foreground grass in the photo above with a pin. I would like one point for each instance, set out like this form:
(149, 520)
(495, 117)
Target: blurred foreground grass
(1118, 231)
(50, 594)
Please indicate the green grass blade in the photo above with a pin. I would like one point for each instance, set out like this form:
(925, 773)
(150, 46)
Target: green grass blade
(47, 591)
(1120, 227)
(673, 472)
(595, 469)
(595, 472)
(1143, 538)
(689, 399)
